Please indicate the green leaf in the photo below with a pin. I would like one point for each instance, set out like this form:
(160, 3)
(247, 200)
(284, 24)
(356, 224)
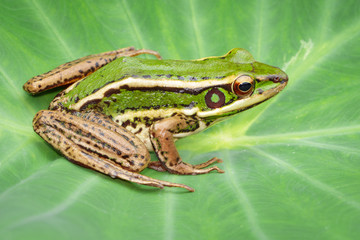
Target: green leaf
(292, 164)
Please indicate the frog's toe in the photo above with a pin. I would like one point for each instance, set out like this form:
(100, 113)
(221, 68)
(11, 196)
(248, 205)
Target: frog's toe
(207, 170)
(207, 163)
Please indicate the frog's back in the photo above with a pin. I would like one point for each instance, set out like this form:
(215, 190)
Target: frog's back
(132, 82)
(126, 67)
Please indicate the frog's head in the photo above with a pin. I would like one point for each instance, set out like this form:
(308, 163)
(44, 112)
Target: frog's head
(251, 84)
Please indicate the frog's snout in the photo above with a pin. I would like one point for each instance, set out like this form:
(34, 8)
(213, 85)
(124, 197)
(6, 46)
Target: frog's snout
(279, 78)
(284, 79)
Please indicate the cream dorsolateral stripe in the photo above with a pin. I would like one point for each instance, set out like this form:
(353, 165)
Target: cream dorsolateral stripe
(153, 113)
(151, 83)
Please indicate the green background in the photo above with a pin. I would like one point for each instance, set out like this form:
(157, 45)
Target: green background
(292, 164)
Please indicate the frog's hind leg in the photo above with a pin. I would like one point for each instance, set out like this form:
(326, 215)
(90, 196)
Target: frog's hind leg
(73, 71)
(96, 142)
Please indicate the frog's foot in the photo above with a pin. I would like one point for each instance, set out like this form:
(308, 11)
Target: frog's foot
(207, 163)
(188, 169)
(158, 166)
(161, 135)
(73, 71)
(96, 142)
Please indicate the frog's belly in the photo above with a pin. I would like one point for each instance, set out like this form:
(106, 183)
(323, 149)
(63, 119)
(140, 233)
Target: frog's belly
(142, 130)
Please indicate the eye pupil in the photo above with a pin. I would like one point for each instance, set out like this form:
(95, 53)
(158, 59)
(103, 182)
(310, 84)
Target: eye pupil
(245, 86)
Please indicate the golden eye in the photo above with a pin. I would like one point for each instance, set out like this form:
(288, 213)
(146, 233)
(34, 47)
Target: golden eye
(243, 85)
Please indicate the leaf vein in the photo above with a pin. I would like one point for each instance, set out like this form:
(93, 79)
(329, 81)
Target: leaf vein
(73, 198)
(53, 29)
(16, 90)
(196, 29)
(310, 180)
(245, 202)
(134, 26)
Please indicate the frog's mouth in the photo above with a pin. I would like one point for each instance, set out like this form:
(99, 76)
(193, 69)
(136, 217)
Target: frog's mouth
(267, 88)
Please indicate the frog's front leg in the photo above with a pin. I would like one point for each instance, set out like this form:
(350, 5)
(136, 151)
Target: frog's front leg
(161, 134)
(96, 142)
(73, 71)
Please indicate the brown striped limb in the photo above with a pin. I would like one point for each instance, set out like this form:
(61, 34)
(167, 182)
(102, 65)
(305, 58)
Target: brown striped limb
(95, 142)
(73, 71)
(161, 134)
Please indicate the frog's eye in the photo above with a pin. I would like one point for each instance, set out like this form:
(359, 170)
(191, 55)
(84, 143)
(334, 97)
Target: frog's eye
(243, 85)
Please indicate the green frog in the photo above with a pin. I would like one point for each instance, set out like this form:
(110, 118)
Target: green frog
(119, 107)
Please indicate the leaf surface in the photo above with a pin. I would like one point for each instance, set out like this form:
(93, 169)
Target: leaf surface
(292, 164)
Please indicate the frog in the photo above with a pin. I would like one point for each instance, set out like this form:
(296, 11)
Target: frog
(117, 108)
